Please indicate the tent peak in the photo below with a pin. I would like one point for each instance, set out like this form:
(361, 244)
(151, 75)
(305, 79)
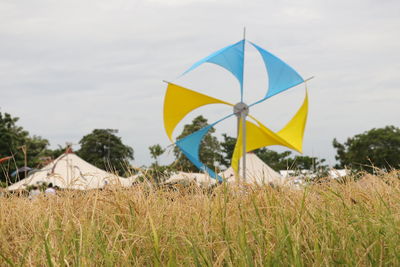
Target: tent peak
(69, 150)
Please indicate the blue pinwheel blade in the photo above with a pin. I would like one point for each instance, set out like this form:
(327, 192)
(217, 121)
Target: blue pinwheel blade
(190, 146)
(230, 58)
(281, 76)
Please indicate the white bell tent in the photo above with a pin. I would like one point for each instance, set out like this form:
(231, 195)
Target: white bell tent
(198, 178)
(71, 172)
(257, 172)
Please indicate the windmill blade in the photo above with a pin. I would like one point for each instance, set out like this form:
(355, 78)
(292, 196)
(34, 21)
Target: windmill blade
(281, 76)
(230, 58)
(290, 136)
(179, 102)
(256, 137)
(190, 146)
(293, 132)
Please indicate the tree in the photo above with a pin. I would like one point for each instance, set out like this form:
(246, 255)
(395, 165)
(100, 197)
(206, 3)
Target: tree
(51, 154)
(157, 173)
(210, 150)
(227, 148)
(307, 163)
(378, 147)
(24, 149)
(155, 152)
(105, 150)
(36, 148)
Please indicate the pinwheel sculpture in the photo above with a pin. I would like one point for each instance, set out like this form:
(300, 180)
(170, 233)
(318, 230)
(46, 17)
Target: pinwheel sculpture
(252, 134)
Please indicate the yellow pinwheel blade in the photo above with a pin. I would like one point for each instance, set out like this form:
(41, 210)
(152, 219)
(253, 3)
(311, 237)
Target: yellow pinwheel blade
(258, 136)
(293, 132)
(179, 101)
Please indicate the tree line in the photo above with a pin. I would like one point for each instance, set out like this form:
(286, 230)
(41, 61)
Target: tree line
(20, 151)
(375, 149)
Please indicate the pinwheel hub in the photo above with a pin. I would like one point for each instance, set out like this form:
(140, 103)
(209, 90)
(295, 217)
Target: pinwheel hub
(241, 109)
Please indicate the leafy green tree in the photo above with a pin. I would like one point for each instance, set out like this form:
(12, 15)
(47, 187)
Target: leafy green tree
(155, 152)
(157, 173)
(36, 149)
(12, 136)
(378, 147)
(210, 150)
(227, 148)
(51, 154)
(24, 149)
(105, 150)
(306, 163)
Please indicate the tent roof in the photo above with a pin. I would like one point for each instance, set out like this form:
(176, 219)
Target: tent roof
(337, 173)
(72, 172)
(199, 178)
(257, 172)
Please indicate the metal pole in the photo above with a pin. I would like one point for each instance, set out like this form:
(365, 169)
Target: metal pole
(241, 110)
(244, 145)
(243, 115)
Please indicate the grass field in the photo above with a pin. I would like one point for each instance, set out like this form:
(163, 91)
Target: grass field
(331, 223)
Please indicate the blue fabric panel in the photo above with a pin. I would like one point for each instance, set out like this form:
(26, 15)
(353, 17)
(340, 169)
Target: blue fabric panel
(191, 143)
(280, 75)
(230, 58)
(190, 146)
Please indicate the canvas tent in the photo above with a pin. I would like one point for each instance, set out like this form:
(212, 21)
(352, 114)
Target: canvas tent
(198, 178)
(72, 172)
(257, 172)
(336, 173)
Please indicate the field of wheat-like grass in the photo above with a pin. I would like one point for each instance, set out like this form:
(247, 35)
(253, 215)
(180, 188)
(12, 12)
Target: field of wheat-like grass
(330, 223)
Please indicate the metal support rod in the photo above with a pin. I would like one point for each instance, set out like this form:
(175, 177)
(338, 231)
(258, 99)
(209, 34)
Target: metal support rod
(243, 115)
(241, 110)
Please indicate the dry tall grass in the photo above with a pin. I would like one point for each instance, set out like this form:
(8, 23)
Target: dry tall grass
(351, 223)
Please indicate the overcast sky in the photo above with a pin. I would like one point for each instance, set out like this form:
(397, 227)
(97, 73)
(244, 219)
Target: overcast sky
(70, 66)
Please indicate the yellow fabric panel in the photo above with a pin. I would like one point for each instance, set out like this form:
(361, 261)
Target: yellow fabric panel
(291, 136)
(237, 152)
(293, 132)
(278, 139)
(179, 101)
(258, 136)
